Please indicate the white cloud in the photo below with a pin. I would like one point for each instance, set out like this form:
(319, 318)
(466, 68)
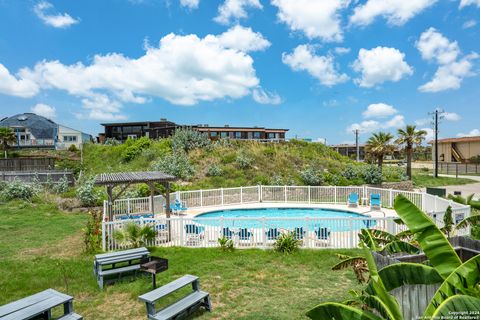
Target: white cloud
(319, 19)
(464, 3)
(423, 122)
(450, 76)
(234, 10)
(433, 46)
(380, 64)
(59, 20)
(342, 50)
(101, 107)
(397, 12)
(322, 68)
(451, 116)
(191, 4)
(472, 133)
(379, 110)
(430, 134)
(16, 86)
(469, 24)
(265, 97)
(44, 110)
(243, 39)
(368, 126)
(182, 70)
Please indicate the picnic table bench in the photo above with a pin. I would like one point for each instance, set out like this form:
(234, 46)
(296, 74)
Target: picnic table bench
(185, 305)
(117, 263)
(39, 305)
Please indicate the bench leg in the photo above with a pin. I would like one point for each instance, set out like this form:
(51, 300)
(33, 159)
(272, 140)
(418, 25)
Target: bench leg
(100, 281)
(68, 307)
(207, 303)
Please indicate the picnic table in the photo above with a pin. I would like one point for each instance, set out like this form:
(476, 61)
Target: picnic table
(39, 305)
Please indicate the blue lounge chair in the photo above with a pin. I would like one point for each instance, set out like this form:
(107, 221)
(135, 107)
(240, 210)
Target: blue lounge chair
(227, 233)
(322, 236)
(179, 205)
(244, 235)
(193, 234)
(160, 227)
(299, 233)
(375, 201)
(353, 199)
(272, 234)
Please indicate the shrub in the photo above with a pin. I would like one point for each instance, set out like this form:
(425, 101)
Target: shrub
(372, 174)
(134, 148)
(393, 173)
(132, 235)
(61, 186)
(73, 148)
(312, 176)
(188, 139)
(351, 172)
(17, 189)
(225, 244)
(214, 170)
(176, 164)
(112, 142)
(87, 194)
(243, 161)
(287, 243)
(92, 237)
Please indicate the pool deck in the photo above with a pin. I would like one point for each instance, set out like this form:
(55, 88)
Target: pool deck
(364, 210)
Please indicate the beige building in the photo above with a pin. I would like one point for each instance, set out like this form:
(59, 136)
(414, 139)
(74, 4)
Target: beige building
(457, 149)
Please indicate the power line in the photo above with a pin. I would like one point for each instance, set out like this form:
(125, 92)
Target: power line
(437, 115)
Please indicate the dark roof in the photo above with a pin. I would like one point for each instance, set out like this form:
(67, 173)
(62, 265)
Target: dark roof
(132, 177)
(40, 127)
(204, 128)
(461, 139)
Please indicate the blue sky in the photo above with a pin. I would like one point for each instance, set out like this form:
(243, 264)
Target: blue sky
(318, 67)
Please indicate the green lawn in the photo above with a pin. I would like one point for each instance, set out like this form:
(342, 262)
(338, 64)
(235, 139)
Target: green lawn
(425, 179)
(41, 248)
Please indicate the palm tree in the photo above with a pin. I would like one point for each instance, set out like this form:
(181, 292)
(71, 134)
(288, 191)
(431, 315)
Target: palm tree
(7, 137)
(410, 137)
(379, 145)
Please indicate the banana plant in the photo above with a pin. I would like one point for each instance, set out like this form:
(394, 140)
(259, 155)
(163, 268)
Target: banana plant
(475, 204)
(378, 240)
(134, 236)
(357, 263)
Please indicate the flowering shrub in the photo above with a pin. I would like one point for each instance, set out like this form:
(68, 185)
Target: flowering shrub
(312, 176)
(93, 232)
(176, 164)
(17, 189)
(243, 161)
(188, 139)
(87, 194)
(214, 170)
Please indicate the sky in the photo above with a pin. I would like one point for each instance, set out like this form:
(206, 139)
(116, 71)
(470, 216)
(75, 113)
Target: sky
(321, 68)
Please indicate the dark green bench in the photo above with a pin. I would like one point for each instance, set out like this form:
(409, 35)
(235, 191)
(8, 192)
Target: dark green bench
(185, 305)
(119, 262)
(39, 305)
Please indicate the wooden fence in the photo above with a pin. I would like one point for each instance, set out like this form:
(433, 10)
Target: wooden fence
(41, 176)
(27, 164)
(457, 168)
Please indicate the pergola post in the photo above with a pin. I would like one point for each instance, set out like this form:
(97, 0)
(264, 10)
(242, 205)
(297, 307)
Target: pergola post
(110, 202)
(167, 199)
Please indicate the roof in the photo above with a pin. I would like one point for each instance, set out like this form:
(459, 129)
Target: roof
(346, 145)
(238, 129)
(132, 177)
(40, 127)
(454, 140)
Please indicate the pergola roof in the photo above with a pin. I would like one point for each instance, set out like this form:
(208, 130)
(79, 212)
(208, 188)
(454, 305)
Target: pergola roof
(109, 179)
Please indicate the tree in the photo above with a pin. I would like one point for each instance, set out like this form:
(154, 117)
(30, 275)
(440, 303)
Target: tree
(379, 145)
(410, 137)
(7, 137)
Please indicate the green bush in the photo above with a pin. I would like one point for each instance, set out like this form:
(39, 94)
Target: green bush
(312, 176)
(87, 194)
(351, 172)
(17, 190)
(176, 164)
(287, 243)
(134, 148)
(73, 148)
(394, 173)
(92, 237)
(225, 244)
(372, 174)
(62, 185)
(243, 161)
(188, 139)
(214, 170)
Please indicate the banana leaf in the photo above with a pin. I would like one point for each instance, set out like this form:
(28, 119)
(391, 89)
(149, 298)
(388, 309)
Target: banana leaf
(349, 262)
(399, 274)
(469, 221)
(432, 241)
(367, 239)
(458, 303)
(400, 246)
(338, 311)
(463, 280)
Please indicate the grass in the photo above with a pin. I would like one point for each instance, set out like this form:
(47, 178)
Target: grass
(42, 248)
(425, 179)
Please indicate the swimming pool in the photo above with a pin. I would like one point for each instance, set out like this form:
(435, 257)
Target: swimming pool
(286, 218)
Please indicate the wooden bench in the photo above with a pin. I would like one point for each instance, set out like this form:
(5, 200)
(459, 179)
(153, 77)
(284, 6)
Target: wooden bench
(117, 263)
(39, 305)
(185, 305)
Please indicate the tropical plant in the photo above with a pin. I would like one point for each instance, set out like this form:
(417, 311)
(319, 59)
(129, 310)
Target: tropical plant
(357, 263)
(287, 243)
(379, 145)
(133, 235)
(448, 224)
(475, 204)
(225, 244)
(92, 237)
(7, 137)
(382, 241)
(410, 137)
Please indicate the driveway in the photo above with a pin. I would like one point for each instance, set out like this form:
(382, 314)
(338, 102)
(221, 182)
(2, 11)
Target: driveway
(465, 189)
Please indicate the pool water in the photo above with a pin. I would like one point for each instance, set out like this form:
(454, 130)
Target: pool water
(288, 218)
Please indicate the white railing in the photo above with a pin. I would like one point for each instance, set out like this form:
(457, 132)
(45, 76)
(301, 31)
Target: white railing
(434, 206)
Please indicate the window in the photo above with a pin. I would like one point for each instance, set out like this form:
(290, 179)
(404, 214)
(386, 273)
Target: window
(271, 135)
(238, 135)
(256, 135)
(213, 134)
(69, 138)
(223, 134)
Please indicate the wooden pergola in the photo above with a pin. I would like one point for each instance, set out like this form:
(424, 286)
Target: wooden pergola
(126, 179)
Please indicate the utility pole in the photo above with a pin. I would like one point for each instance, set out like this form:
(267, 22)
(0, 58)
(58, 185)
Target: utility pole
(437, 116)
(357, 132)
